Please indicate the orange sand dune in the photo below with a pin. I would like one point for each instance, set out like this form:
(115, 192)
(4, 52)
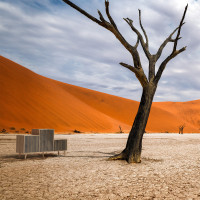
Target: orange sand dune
(29, 100)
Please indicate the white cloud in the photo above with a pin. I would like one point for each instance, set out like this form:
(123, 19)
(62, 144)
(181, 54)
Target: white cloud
(54, 40)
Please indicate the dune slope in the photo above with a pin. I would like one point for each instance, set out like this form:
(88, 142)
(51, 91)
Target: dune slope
(29, 100)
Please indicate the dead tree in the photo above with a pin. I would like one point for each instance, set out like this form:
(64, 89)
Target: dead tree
(120, 129)
(181, 129)
(132, 151)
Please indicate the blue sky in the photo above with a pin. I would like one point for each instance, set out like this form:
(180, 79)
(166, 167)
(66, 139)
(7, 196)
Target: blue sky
(53, 40)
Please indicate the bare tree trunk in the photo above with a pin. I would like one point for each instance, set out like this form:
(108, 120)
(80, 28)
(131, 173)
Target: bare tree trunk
(132, 152)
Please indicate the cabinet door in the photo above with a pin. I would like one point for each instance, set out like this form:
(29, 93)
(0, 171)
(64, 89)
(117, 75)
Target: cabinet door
(31, 144)
(60, 145)
(20, 144)
(46, 140)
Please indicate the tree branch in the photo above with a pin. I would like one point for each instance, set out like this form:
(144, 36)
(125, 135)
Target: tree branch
(139, 73)
(108, 14)
(169, 39)
(137, 43)
(83, 12)
(174, 51)
(179, 29)
(116, 31)
(159, 52)
(101, 16)
(164, 63)
(131, 68)
(111, 27)
(130, 23)
(173, 40)
(147, 41)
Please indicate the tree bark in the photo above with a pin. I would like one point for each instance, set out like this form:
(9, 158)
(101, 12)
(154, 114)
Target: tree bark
(133, 149)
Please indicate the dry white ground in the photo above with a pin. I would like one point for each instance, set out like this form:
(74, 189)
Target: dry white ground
(170, 169)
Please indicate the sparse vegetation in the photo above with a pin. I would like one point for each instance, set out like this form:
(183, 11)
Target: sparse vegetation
(12, 128)
(3, 131)
(76, 131)
(22, 129)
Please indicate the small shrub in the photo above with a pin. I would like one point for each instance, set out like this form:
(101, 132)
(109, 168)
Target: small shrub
(22, 129)
(3, 130)
(76, 131)
(12, 128)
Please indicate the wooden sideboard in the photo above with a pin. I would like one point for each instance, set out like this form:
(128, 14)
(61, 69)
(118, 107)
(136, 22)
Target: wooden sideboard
(40, 140)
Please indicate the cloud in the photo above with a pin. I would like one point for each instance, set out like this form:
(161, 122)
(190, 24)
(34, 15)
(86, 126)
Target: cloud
(54, 40)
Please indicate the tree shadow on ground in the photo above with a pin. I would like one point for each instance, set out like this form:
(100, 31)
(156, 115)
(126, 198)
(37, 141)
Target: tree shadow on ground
(86, 154)
(16, 158)
(151, 159)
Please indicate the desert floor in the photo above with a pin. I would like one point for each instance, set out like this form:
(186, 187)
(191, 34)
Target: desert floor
(170, 169)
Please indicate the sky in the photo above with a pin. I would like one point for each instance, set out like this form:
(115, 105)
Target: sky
(54, 40)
